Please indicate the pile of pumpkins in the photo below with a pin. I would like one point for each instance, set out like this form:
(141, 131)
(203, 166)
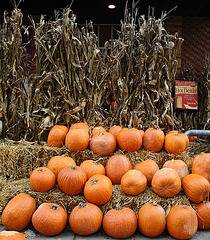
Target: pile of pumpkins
(96, 181)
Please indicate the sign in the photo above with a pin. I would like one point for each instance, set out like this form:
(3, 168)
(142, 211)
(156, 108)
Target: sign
(186, 95)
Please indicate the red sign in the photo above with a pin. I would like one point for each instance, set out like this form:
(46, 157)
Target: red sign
(186, 95)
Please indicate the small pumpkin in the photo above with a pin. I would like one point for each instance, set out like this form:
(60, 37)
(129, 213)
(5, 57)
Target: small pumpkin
(11, 235)
(203, 214)
(186, 138)
(193, 138)
(148, 167)
(182, 222)
(56, 136)
(57, 163)
(175, 143)
(80, 125)
(153, 139)
(97, 130)
(71, 180)
(113, 103)
(17, 214)
(120, 222)
(85, 219)
(98, 189)
(114, 130)
(201, 165)
(166, 182)
(42, 179)
(151, 220)
(91, 167)
(196, 187)
(133, 182)
(49, 219)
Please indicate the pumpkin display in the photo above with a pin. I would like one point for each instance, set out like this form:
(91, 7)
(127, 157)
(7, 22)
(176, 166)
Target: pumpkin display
(153, 139)
(97, 130)
(103, 144)
(133, 182)
(201, 165)
(129, 139)
(175, 143)
(57, 163)
(148, 167)
(120, 222)
(98, 189)
(179, 166)
(85, 219)
(116, 167)
(77, 139)
(80, 125)
(42, 179)
(56, 136)
(151, 220)
(18, 212)
(91, 167)
(71, 180)
(196, 187)
(49, 219)
(11, 235)
(166, 182)
(114, 130)
(182, 222)
(203, 214)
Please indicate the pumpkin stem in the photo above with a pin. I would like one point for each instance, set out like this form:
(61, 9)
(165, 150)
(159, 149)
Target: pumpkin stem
(93, 181)
(129, 127)
(96, 161)
(54, 207)
(41, 170)
(82, 205)
(118, 207)
(101, 134)
(73, 167)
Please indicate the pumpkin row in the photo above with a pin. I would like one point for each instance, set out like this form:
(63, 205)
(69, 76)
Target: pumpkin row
(87, 218)
(103, 143)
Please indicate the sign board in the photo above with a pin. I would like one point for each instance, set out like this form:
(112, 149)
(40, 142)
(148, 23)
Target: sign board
(186, 95)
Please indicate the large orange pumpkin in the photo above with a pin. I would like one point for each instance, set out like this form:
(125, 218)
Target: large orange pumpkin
(153, 139)
(17, 214)
(151, 220)
(182, 222)
(166, 182)
(11, 235)
(196, 187)
(175, 143)
(116, 167)
(49, 219)
(114, 130)
(80, 125)
(186, 138)
(201, 165)
(203, 214)
(85, 219)
(56, 136)
(120, 222)
(92, 167)
(97, 130)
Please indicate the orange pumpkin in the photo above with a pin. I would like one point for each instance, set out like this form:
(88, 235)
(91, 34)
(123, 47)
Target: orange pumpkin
(166, 182)
(49, 219)
(203, 214)
(201, 165)
(17, 214)
(114, 130)
(11, 235)
(97, 130)
(129, 139)
(196, 187)
(42, 179)
(80, 125)
(179, 166)
(182, 222)
(153, 139)
(85, 219)
(56, 136)
(57, 163)
(120, 222)
(133, 182)
(116, 167)
(98, 189)
(113, 105)
(192, 138)
(151, 220)
(142, 133)
(175, 143)
(77, 140)
(148, 168)
(103, 144)
(71, 180)
(186, 138)
(91, 167)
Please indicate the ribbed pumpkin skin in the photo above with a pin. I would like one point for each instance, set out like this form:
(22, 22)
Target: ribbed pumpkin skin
(80, 125)
(98, 189)
(203, 214)
(153, 139)
(148, 168)
(11, 235)
(116, 167)
(42, 179)
(49, 219)
(56, 136)
(17, 214)
(114, 130)
(166, 182)
(196, 187)
(120, 223)
(201, 165)
(174, 143)
(151, 220)
(182, 222)
(71, 180)
(91, 168)
(85, 219)
(129, 139)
